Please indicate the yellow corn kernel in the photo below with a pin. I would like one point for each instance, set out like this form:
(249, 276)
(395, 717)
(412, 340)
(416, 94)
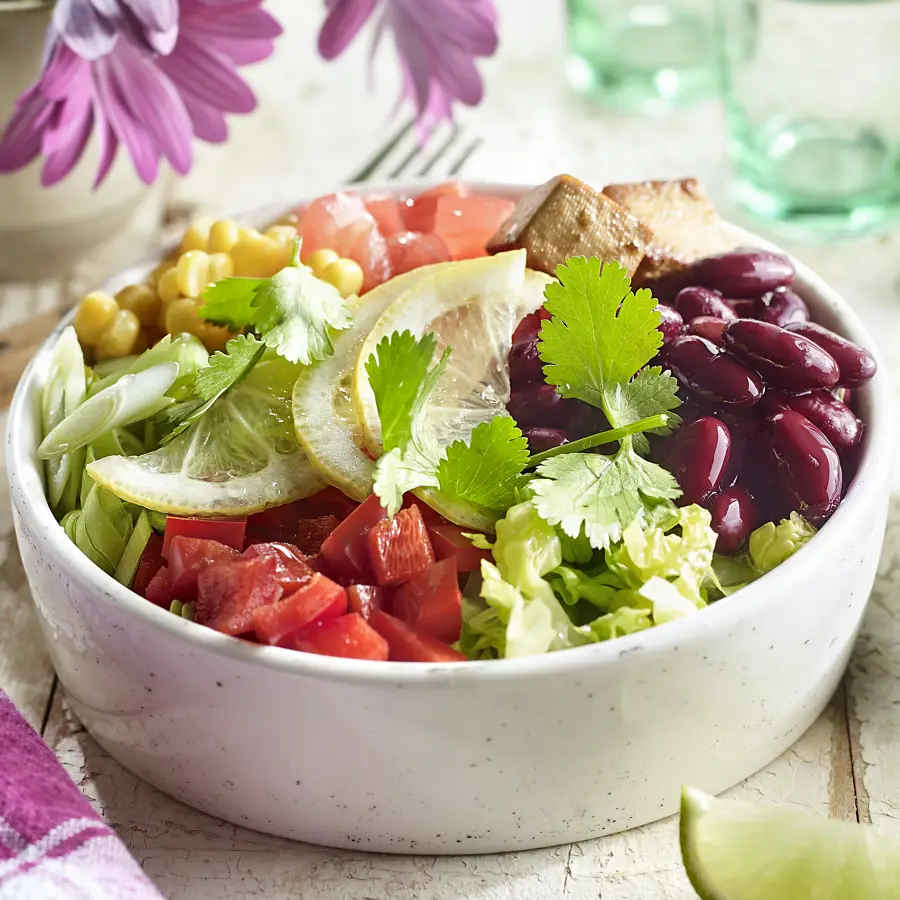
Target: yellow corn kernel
(120, 335)
(223, 236)
(181, 315)
(220, 266)
(158, 272)
(346, 275)
(93, 316)
(141, 300)
(167, 285)
(256, 256)
(282, 233)
(214, 337)
(196, 237)
(192, 269)
(320, 260)
(278, 255)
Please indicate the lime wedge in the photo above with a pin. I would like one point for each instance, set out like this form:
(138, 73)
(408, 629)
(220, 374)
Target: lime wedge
(327, 426)
(241, 457)
(734, 850)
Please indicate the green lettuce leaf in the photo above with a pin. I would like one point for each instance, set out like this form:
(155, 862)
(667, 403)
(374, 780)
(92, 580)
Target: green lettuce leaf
(770, 545)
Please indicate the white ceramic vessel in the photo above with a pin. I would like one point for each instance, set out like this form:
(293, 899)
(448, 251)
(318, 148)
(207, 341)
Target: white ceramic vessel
(471, 758)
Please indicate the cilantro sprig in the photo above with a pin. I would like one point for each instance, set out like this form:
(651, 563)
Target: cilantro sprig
(483, 471)
(595, 346)
(293, 312)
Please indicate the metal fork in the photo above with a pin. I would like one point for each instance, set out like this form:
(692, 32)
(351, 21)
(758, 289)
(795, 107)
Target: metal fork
(449, 147)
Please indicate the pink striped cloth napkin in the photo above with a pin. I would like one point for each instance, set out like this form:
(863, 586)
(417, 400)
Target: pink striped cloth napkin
(53, 846)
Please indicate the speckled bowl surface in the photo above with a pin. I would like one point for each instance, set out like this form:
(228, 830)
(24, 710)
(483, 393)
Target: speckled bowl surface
(467, 758)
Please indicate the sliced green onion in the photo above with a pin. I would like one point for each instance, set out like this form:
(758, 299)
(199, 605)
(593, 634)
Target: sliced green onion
(131, 556)
(130, 399)
(189, 611)
(176, 607)
(158, 521)
(69, 523)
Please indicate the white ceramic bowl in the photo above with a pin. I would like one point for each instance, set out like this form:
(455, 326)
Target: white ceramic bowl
(470, 758)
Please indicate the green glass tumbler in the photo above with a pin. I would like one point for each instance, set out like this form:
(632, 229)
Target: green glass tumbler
(647, 56)
(810, 89)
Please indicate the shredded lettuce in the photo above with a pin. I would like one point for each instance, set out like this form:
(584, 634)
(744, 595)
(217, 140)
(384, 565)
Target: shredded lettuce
(103, 528)
(770, 545)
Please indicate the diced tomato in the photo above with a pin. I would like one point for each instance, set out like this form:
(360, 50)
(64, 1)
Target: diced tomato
(385, 210)
(311, 533)
(279, 524)
(225, 531)
(365, 599)
(419, 212)
(324, 219)
(347, 636)
(410, 250)
(228, 592)
(319, 599)
(346, 548)
(188, 557)
(158, 589)
(399, 547)
(408, 644)
(448, 542)
(291, 568)
(148, 565)
(431, 601)
(466, 224)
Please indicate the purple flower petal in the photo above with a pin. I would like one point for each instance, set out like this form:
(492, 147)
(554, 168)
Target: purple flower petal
(209, 124)
(67, 121)
(83, 29)
(345, 19)
(65, 157)
(249, 23)
(209, 76)
(64, 71)
(468, 26)
(137, 142)
(107, 142)
(155, 104)
(241, 52)
(159, 19)
(417, 65)
(21, 141)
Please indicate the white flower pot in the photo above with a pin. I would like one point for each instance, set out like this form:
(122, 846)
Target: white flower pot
(44, 232)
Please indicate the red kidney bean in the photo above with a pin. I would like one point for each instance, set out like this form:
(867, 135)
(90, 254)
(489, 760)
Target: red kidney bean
(781, 307)
(525, 365)
(670, 322)
(701, 301)
(743, 273)
(699, 458)
(745, 309)
(541, 439)
(835, 420)
(734, 516)
(856, 365)
(528, 328)
(784, 359)
(809, 464)
(708, 327)
(702, 368)
(541, 406)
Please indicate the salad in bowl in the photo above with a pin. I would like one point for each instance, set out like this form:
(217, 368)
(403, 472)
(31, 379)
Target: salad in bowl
(451, 426)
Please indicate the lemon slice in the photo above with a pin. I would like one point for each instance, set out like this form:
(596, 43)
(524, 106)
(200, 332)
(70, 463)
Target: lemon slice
(474, 307)
(240, 458)
(734, 850)
(327, 426)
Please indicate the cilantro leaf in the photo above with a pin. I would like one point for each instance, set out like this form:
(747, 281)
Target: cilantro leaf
(294, 312)
(602, 494)
(600, 333)
(399, 471)
(230, 302)
(649, 393)
(488, 469)
(223, 372)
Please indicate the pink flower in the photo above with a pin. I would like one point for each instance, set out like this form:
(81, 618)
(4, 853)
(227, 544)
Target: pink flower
(437, 41)
(134, 75)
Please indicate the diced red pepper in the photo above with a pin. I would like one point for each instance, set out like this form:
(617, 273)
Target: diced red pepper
(279, 524)
(431, 601)
(346, 548)
(292, 570)
(188, 557)
(365, 599)
(408, 644)
(347, 636)
(449, 541)
(158, 590)
(319, 599)
(229, 592)
(466, 224)
(148, 565)
(419, 212)
(226, 531)
(311, 533)
(410, 250)
(385, 210)
(399, 547)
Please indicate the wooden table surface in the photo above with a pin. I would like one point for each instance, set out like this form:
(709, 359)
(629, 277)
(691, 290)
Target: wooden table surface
(847, 765)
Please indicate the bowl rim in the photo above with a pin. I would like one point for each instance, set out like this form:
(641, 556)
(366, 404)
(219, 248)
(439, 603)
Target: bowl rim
(29, 501)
